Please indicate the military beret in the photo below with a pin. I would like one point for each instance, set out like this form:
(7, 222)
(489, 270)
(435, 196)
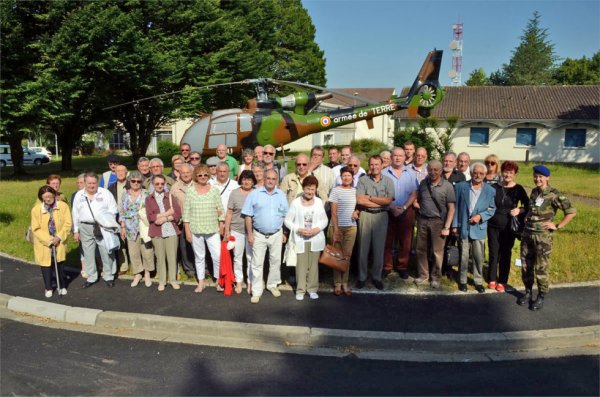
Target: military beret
(542, 170)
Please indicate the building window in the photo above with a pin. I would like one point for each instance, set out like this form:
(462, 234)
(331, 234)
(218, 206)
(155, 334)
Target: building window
(479, 136)
(575, 137)
(526, 136)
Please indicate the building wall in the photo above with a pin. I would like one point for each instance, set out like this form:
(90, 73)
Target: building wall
(549, 147)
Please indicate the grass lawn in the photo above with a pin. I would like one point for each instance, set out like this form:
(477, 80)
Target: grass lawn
(574, 258)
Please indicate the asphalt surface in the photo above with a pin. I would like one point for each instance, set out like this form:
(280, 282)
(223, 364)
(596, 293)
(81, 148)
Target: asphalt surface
(455, 313)
(45, 361)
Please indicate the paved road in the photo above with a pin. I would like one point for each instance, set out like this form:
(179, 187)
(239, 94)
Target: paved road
(45, 361)
(455, 313)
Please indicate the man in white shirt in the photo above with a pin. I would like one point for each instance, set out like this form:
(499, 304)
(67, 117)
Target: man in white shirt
(321, 171)
(354, 163)
(464, 162)
(88, 203)
(224, 183)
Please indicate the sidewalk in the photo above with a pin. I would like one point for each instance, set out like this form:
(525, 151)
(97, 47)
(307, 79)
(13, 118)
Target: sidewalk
(375, 320)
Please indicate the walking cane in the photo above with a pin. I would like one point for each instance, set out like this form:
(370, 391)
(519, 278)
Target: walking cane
(56, 270)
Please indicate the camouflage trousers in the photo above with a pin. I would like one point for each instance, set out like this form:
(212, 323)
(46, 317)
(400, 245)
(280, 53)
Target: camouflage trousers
(535, 254)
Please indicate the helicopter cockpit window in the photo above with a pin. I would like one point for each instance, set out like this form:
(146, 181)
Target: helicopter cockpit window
(229, 127)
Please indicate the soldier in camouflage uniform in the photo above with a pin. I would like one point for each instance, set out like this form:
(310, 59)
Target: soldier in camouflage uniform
(536, 243)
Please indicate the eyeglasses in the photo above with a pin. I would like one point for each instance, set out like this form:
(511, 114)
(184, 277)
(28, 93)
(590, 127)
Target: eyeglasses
(185, 150)
(194, 158)
(353, 165)
(159, 184)
(156, 166)
(135, 181)
(202, 175)
(301, 164)
(490, 163)
(269, 153)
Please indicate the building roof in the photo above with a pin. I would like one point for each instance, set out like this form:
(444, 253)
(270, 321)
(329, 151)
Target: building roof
(518, 103)
(374, 94)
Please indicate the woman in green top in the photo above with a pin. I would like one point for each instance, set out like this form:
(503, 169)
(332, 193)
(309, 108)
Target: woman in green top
(203, 219)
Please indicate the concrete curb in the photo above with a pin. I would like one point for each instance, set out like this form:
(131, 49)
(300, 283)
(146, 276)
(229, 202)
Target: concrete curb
(410, 290)
(321, 341)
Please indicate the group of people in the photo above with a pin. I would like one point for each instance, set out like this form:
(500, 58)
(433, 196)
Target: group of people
(143, 219)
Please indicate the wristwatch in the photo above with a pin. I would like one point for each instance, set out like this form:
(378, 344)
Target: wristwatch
(404, 208)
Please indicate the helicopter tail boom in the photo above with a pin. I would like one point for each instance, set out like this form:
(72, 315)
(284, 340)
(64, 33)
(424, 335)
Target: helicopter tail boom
(426, 91)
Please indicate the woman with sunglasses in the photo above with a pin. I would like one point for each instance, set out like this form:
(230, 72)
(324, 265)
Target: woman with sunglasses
(141, 254)
(493, 175)
(163, 215)
(203, 219)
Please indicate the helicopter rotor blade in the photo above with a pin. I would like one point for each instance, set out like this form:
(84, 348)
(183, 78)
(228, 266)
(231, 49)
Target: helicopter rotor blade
(177, 92)
(316, 87)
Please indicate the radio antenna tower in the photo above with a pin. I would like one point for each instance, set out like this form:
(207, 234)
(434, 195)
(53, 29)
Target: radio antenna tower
(456, 46)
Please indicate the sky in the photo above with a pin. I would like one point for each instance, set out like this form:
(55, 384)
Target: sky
(382, 43)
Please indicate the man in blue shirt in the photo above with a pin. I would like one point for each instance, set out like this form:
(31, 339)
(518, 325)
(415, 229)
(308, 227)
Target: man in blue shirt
(264, 211)
(401, 213)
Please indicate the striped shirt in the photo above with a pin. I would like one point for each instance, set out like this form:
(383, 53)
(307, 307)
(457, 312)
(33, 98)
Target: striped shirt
(346, 202)
(201, 210)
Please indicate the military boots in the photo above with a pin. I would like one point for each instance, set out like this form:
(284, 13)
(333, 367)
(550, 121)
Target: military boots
(538, 303)
(525, 299)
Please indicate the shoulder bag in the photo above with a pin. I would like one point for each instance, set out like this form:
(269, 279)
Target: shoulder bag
(335, 258)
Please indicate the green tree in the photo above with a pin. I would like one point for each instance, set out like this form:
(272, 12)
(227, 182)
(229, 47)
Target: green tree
(428, 134)
(581, 71)
(477, 78)
(24, 26)
(533, 60)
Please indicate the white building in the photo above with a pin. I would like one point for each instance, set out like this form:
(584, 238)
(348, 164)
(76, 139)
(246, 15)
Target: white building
(549, 123)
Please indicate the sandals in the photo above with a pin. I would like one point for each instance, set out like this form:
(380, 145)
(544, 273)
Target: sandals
(337, 291)
(238, 288)
(346, 291)
(200, 287)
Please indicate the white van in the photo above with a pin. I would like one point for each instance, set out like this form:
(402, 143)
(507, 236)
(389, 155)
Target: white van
(5, 158)
(29, 157)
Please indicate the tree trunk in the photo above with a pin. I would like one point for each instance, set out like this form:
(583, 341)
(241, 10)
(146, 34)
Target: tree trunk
(16, 150)
(66, 145)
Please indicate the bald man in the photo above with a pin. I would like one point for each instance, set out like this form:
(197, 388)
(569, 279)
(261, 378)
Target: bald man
(231, 162)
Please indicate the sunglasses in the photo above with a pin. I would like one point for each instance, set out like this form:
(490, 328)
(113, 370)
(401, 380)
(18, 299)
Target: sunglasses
(158, 184)
(301, 164)
(185, 150)
(202, 175)
(135, 181)
(269, 153)
(490, 163)
(353, 165)
(194, 158)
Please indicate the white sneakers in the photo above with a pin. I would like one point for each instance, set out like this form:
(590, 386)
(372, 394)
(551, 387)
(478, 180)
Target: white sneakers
(275, 291)
(255, 299)
(48, 293)
(312, 295)
(62, 291)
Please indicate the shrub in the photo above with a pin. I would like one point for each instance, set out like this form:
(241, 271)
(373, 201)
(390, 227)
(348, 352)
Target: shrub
(166, 150)
(436, 143)
(368, 146)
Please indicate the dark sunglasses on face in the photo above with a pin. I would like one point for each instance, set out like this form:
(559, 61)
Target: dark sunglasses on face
(269, 153)
(490, 163)
(135, 181)
(202, 175)
(194, 158)
(301, 164)
(158, 184)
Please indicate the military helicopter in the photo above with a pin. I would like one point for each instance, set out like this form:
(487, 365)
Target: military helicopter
(276, 120)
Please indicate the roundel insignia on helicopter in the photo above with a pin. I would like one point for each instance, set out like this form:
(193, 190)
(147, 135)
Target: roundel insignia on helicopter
(325, 121)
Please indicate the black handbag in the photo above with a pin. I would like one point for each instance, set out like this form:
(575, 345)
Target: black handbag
(452, 252)
(516, 226)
